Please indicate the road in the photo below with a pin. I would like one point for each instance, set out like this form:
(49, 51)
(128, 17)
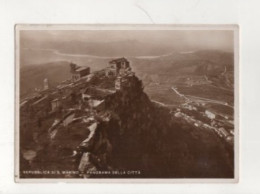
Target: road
(164, 105)
(181, 95)
(160, 103)
(188, 97)
(209, 100)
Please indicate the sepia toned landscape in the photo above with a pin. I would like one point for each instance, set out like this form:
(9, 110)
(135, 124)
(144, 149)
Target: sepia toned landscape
(126, 104)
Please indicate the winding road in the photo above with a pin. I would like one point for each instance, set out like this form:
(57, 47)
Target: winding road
(188, 97)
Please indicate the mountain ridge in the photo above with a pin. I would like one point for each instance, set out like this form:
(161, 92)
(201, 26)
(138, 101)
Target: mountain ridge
(128, 133)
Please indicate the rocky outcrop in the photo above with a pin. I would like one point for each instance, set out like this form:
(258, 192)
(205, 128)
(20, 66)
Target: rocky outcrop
(142, 136)
(128, 133)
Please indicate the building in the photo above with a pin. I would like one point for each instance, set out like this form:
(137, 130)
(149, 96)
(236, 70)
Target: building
(210, 115)
(118, 66)
(122, 82)
(223, 132)
(118, 83)
(178, 114)
(55, 104)
(45, 84)
(78, 72)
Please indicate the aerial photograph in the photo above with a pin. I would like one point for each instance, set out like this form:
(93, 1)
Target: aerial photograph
(125, 104)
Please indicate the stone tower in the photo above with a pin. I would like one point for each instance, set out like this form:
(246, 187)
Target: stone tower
(45, 84)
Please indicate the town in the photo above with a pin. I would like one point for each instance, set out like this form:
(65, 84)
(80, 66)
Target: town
(195, 114)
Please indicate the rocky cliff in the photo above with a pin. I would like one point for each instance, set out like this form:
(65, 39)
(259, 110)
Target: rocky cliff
(131, 137)
(141, 136)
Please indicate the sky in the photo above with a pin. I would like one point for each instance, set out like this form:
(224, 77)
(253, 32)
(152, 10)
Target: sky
(182, 40)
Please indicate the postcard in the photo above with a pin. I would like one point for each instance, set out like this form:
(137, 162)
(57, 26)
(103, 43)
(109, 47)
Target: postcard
(127, 103)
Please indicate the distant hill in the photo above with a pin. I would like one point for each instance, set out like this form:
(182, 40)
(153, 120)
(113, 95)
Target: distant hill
(216, 65)
(32, 76)
(200, 62)
(125, 48)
